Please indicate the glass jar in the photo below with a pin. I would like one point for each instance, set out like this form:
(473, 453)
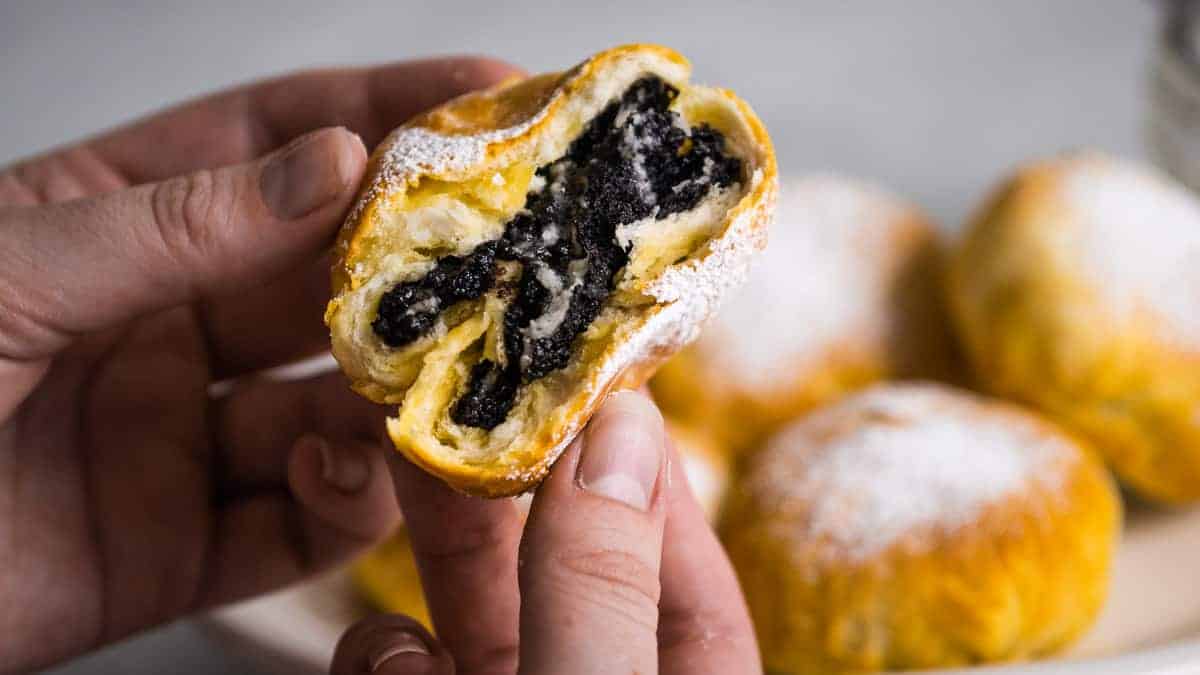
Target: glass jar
(1173, 127)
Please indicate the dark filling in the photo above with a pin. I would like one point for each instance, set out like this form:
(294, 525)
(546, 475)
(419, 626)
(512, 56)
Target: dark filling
(633, 161)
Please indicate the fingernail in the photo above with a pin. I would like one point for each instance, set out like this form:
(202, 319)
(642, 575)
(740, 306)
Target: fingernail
(343, 469)
(623, 450)
(398, 644)
(309, 173)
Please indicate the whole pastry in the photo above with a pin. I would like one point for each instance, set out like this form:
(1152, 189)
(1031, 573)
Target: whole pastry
(848, 292)
(1077, 290)
(521, 251)
(916, 527)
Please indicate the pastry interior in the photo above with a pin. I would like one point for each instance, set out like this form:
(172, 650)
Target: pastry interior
(486, 301)
(556, 263)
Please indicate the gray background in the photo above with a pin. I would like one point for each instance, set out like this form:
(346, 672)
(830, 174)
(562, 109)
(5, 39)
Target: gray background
(932, 98)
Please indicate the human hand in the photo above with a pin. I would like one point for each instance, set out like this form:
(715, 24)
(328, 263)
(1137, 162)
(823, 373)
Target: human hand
(134, 273)
(618, 571)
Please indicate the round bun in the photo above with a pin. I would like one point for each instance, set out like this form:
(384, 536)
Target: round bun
(1076, 290)
(847, 293)
(476, 284)
(916, 527)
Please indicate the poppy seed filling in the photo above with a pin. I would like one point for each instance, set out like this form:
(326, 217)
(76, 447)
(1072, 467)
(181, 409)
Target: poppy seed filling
(635, 160)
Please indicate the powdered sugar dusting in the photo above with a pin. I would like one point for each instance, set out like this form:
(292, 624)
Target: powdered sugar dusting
(1138, 237)
(821, 278)
(893, 462)
(410, 152)
(689, 293)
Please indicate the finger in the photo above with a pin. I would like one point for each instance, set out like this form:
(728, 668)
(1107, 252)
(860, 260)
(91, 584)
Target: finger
(237, 125)
(257, 424)
(282, 320)
(590, 558)
(127, 253)
(703, 625)
(279, 322)
(390, 644)
(369, 101)
(466, 551)
(338, 502)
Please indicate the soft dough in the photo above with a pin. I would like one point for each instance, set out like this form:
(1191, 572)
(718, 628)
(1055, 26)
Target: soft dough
(521, 251)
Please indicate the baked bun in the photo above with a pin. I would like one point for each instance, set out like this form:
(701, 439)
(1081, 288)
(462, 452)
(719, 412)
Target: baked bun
(847, 293)
(916, 527)
(520, 251)
(1076, 289)
(706, 465)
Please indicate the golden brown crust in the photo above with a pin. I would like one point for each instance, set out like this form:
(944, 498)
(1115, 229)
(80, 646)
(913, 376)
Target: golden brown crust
(1021, 576)
(461, 147)
(878, 314)
(1038, 325)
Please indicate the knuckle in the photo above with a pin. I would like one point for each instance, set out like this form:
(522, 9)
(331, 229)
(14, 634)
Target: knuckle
(31, 316)
(681, 629)
(610, 575)
(500, 660)
(15, 190)
(190, 214)
(466, 544)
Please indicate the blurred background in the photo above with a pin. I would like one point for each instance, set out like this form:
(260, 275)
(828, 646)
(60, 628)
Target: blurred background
(933, 99)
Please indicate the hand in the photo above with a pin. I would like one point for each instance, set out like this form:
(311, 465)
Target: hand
(133, 273)
(618, 573)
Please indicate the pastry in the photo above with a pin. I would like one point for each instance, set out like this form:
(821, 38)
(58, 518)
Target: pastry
(1076, 289)
(911, 527)
(519, 252)
(847, 293)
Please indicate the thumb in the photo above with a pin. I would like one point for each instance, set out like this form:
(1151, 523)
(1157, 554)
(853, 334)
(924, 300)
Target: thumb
(81, 266)
(390, 644)
(591, 553)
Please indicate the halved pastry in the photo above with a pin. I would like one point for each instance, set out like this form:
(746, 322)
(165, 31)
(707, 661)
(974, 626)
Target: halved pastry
(521, 251)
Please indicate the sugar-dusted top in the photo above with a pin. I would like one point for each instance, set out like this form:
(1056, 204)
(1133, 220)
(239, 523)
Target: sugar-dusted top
(1137, 234)
(824, 278)
(897, 462)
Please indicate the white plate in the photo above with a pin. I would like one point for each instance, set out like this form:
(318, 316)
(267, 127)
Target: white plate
(1151, 624)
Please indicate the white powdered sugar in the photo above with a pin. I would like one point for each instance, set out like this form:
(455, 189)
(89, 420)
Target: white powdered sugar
(824, 277)
(410, 152)
(688, 293)
(897, 464)
(1138, 239)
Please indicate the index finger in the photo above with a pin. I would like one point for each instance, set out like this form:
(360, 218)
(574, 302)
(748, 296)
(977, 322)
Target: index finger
(704, 625)
(236, 125)
(466, 552)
